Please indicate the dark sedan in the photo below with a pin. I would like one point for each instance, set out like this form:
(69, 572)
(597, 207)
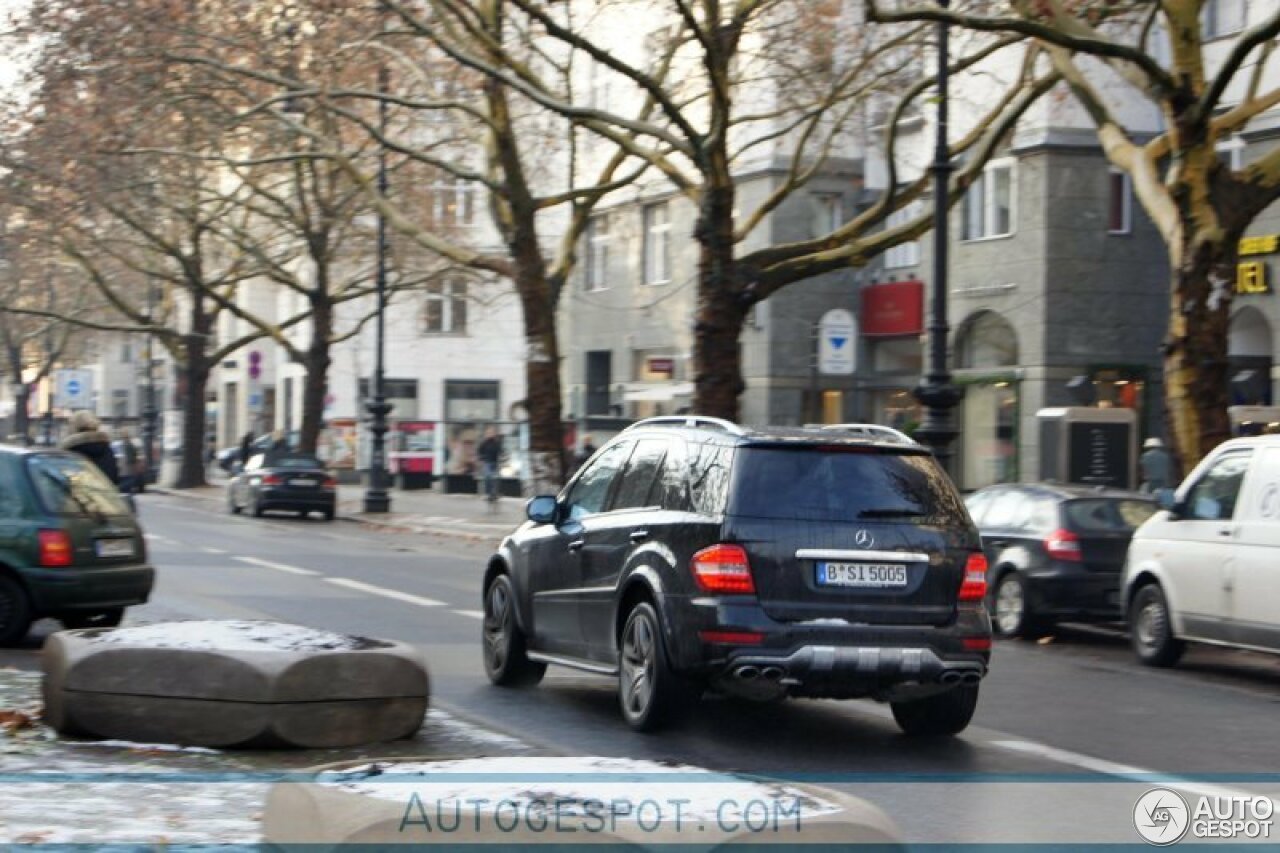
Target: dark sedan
(1055, 552)
(283, 481)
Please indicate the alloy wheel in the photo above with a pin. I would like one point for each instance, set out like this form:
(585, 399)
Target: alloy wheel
(1010, 606)
(638, 649)
(497, 627)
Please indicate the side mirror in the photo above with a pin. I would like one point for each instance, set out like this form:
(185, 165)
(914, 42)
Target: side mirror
(542, 509)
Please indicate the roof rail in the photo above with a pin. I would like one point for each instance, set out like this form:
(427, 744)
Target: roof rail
(691, 421)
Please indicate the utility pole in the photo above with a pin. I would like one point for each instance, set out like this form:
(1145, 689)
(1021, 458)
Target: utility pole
(376, 498)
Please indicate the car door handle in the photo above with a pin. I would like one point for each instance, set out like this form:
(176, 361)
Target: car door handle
(639, 535)
(576, 545)
(1225, 531)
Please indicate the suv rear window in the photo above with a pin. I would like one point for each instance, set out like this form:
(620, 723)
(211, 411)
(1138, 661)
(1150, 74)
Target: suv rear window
(1098, 515)
(835, 484)
(69, 485)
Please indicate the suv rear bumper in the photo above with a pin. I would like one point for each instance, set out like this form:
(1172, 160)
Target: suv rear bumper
(828, 658)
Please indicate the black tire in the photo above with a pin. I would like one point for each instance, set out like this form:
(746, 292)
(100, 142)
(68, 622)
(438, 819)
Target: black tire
(15, 612)
(328, 515)
(257, 508)
(109, 618)
(502, 642)
(1011, 612)
(650, 694)
(944, 714)
(1151, 629)
(231, 503)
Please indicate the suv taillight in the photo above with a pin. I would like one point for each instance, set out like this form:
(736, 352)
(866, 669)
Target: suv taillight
(272, 480)
(974, 585)
(1063, 545)
(55, 548)
(724, 569)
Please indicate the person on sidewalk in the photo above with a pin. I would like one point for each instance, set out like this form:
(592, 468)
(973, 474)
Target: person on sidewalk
(1157, 467)
(88, 439)
(490, 454)
(130, 476)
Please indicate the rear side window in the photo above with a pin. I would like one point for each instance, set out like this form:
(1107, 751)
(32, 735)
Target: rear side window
(642, 470)
(1095, 515)
(672, 489)
(821, 484)
(69, 485)
(709, 468)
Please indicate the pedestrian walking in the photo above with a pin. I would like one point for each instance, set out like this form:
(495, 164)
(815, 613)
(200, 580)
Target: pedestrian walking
(586, 452)
(1157, 467)
(88, 439)
(130, 464)
(490, 454)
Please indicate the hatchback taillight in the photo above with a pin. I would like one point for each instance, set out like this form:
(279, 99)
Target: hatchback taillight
(273, 480)
(723, 569)
(974, 585)
(1063, 545)
(55, 548)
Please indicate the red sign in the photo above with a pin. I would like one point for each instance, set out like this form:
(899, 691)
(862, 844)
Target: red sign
(893, 309)
(662, 365)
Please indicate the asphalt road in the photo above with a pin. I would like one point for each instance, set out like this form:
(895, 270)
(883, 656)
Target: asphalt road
(1064, 731)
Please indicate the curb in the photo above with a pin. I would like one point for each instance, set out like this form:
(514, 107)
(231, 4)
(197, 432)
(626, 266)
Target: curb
(374, 524)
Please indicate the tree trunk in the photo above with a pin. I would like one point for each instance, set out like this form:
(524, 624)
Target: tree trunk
(722, 308)
(195, 378)
(21, 413)
(316, 386)
(1195, 363)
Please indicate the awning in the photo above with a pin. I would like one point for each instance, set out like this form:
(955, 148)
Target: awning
(655, 392)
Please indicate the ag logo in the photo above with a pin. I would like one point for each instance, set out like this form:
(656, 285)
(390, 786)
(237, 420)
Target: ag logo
(1161, 816)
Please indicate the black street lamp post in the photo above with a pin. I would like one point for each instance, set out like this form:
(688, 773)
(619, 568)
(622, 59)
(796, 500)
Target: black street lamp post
(376, 498)
(149, 411)
(937, 393)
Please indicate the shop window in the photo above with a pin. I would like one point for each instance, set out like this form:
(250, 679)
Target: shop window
(988, 449)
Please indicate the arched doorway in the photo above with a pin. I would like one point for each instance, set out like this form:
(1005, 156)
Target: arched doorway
(986, 355)
(1249, 351)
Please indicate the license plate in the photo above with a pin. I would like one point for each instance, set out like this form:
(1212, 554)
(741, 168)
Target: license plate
(871, 575)
(115, 547)
(304, 481)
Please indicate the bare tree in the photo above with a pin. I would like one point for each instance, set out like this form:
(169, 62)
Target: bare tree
(1201, 205)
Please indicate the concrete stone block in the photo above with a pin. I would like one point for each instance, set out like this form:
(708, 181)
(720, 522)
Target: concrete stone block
(233, 683)
(559, 801)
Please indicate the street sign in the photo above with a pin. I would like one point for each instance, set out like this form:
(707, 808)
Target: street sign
(837, 343)
(72, 389)
(255, 401)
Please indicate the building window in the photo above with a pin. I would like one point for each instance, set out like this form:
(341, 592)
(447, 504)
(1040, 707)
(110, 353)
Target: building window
(1231, 153)
(444, 310)
(1222, 18)
(126, 352)
(657, 243)
(596, 272)
(453, 203)
(904, 254)
(988, 205)
(1119, 204)
(828, 213)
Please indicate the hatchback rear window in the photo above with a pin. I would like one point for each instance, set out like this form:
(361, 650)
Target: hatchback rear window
(295, 462)
(823, 484)
(1099, 515)
(69, 485)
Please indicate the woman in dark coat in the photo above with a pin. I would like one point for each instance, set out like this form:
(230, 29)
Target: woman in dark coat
(88, 439)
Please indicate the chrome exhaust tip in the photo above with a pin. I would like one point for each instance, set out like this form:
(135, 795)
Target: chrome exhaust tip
(772, 673)
(972, 678)
(950, 677)
(747, 673)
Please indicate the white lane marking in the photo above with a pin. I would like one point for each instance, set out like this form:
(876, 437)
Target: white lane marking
(1111, 768)
(213, 550)
(474, 614)
(162, 540)
(386, 593)
(279, 567)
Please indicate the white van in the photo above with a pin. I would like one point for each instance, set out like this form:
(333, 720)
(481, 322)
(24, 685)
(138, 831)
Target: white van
(1207, 568)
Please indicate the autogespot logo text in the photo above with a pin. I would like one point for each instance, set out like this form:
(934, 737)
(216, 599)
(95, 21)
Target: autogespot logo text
(1162, 817)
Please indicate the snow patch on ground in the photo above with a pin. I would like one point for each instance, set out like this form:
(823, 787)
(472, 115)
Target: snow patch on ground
(144, 747)
(525, 781)
(451, 726)
(230, 636)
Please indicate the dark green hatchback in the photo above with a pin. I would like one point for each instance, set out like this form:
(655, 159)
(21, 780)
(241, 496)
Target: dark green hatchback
(70, 548)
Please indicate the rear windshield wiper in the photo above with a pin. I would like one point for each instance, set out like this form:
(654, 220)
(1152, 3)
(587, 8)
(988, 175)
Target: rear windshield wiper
(900, 512)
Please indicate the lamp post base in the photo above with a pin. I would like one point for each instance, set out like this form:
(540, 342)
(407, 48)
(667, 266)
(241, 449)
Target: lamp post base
(377, 501)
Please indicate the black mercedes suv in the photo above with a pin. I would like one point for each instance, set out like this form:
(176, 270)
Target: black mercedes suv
(690, 553)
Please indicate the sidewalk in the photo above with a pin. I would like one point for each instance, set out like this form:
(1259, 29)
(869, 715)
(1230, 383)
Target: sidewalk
(418, 511)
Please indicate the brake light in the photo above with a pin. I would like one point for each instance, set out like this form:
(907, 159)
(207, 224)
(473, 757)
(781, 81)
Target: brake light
(732, 638)
(55, 548)
(330, 482)
(977, 644)
(273, 480)
(1063, 545)
(974, 586)
(723, 568)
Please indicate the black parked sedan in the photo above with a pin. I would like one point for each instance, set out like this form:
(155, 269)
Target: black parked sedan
(1055, 552)
(283, 481)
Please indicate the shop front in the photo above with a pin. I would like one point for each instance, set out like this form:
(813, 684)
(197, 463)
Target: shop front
(986, 359)
(892, 324)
